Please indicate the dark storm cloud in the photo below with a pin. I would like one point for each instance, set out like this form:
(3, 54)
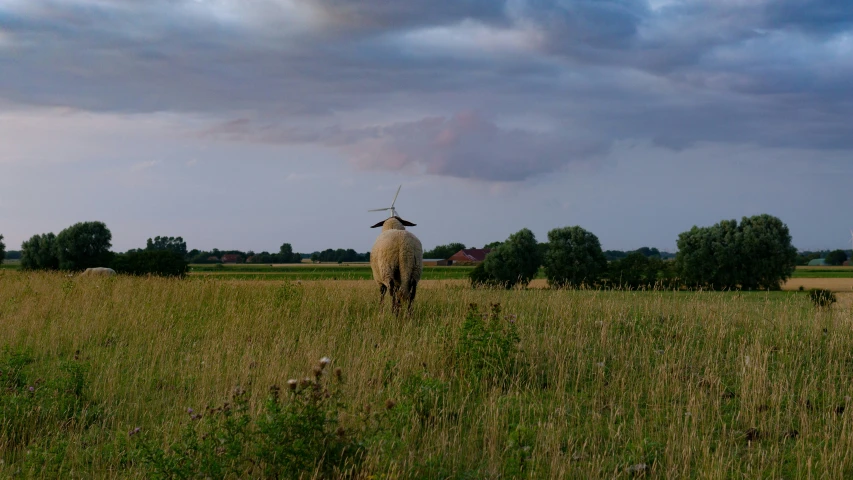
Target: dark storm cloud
(773, 73)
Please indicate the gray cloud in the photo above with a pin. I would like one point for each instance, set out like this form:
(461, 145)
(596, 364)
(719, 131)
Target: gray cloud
(465, 145)
(772, 73)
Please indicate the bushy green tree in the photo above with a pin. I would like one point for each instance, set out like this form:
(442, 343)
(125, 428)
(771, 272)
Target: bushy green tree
(515, 261)
(172, 244)
(84, 245)
(165, 263)
(574, 258)
(444, 251)
(287, 255)
(757, 253)
(836, 257)
(639, 271)
(39, 253)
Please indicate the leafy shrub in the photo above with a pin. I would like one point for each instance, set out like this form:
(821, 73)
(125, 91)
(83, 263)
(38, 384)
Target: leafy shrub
(423, 397)
(32, 409)
(155, 262)
(297, 434)
(822, 297)
(481, 278)
(488, 346)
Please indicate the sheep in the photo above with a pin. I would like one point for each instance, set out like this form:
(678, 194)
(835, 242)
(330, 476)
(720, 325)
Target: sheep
(99, 271)
(397, 261)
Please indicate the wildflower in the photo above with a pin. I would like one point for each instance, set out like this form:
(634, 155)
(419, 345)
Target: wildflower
(291, 384)
(190, 411)
(338, 373)
(134, 431)
(318, 371)
(325, 361)
(32, 389)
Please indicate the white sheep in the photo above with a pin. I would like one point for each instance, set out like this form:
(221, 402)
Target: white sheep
(99, 271)
(397, 261)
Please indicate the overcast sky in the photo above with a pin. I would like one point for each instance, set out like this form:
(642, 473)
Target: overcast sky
(248, 123)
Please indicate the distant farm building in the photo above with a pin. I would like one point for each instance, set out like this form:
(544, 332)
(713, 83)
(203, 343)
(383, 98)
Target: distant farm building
(846, 263)
(469, 256)
(435, 262)
(212, 258)
(817, 262)
(232, 258)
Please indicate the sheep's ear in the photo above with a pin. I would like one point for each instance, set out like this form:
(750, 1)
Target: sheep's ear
(406, 222)
(379, 224)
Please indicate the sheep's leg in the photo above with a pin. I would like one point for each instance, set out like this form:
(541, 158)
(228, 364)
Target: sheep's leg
(394, 292)
(382, 289)
(413, 289)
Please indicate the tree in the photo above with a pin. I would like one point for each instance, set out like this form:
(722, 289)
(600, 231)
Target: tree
(648, 252)
(161, 262)
(2, 249)
(835, 257)
(39, 253)
(574, 258)
(84, 245)
(287, 255)
(444, 251)
(515, 261)
(757, 253)
(171, 244)
(639, 271)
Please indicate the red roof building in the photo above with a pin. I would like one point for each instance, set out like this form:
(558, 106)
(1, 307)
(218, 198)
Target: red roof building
(232, 258)
(469, 256)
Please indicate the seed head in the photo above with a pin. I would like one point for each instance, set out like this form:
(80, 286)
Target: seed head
(291, 384)
(389, 404)
(338, 373)
(318, 371)
(134, 431)
(325, 361)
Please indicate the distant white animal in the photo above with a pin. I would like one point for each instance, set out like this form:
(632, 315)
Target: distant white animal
(99, 271)
(397, 261)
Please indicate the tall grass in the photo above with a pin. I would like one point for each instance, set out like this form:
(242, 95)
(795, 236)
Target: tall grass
(601, 384)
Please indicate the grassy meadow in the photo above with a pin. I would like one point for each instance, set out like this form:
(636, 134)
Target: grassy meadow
(107, 377)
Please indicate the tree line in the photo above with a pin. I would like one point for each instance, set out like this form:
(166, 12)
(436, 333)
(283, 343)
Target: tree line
(753, 254)
(87, 244)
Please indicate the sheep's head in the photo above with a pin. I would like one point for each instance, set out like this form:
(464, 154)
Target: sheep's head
(394, 223)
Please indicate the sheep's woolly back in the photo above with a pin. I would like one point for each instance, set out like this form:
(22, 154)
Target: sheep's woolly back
(397, 256)
(392, 224)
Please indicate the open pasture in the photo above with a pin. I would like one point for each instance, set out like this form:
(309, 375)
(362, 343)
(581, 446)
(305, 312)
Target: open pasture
(314, 272)
(823, 272)
(599, 384)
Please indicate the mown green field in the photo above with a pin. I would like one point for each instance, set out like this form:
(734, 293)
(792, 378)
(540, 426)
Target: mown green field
(315, 272)
(823, 272)
(107, 377)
